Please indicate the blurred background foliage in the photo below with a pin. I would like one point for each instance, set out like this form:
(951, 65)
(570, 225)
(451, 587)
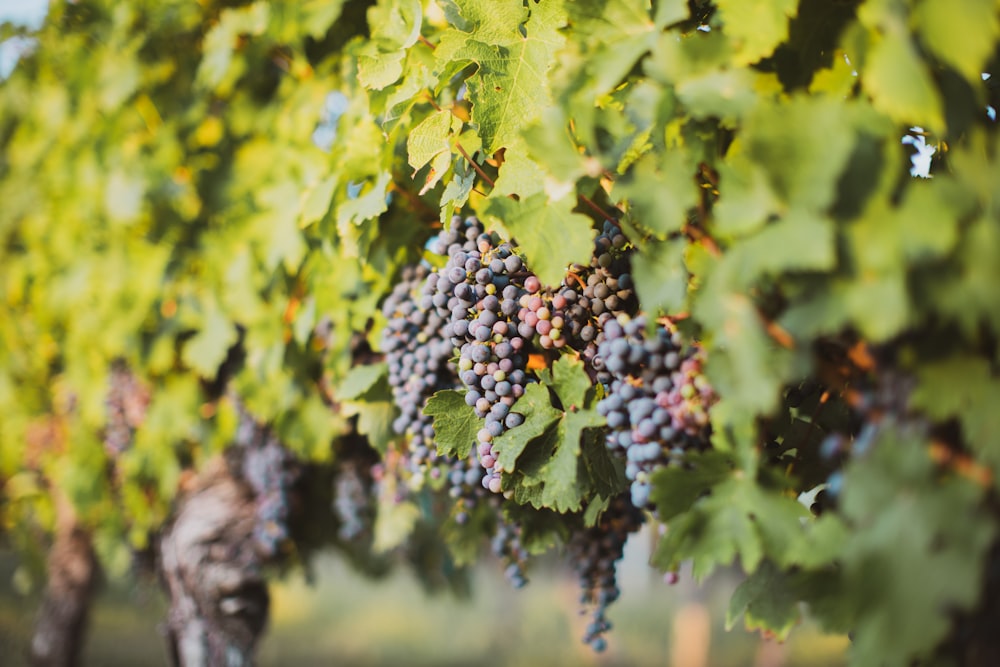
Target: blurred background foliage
(340, 618)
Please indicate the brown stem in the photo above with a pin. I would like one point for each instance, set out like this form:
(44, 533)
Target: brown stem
(430, 99)
(479, 170)
(577, 278)
(72, 580)
(218, 596)
(779, 335)
(597, 209)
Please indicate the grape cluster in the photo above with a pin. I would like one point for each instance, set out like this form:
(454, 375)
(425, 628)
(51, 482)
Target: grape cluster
(125, 408)
(417, 354)
(465, 483)
(873, 400)
(479, 291)
(590, 297)
(352, 500)
(270, 470)
(506, 545)
(594, 553)
(657, 402)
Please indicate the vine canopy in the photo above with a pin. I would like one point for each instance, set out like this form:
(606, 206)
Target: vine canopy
(180, 180)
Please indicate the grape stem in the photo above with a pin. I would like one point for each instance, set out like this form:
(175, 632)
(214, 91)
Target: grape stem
(475, 166)
(597, 209)
(578, 279)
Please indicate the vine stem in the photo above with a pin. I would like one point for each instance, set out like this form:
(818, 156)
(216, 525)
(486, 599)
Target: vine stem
(597, 209)
(578, 279)
(475, 166)
(430, 99)
(779, 335)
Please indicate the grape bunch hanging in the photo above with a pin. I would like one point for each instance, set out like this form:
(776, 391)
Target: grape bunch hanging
(484, 324)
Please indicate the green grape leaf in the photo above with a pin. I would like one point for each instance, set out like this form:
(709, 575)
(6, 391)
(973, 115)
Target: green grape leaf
(456, 192)
(964, 388)
(364, 382)
(394, 522)
(395, 28)
(661, 279)
(309, 429)
(520, 175)
(563, 491)
(606, 473)
(746, 201)
(430, 138)
(378, 69)
(661, 190)
(455, 423)
(221, 40)
(374, 421)
(514, 50)
(571, 383)
(562, 477)
(368, 205)
(836, 80)
(878, 305)
(541, 529)
(897, 502)
(669, 12)
(595, 508)
(820, 544)
(396, 101)
(675, 489)
(319, 15)
(465, 538)
(943, 26)
(745, 364)
(316, 200)
(396, 22)
(756, 28)
(728, 94)
(898, 81)
(968, 296)
(551, 235)
(798, 242)
(804, 167)
(554, 475)
(616, 34)
(737, 518)
(768, 602)
(539, 415)
(206, 351)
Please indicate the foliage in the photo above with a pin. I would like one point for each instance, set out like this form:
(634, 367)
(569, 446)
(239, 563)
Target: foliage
(164, 204)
